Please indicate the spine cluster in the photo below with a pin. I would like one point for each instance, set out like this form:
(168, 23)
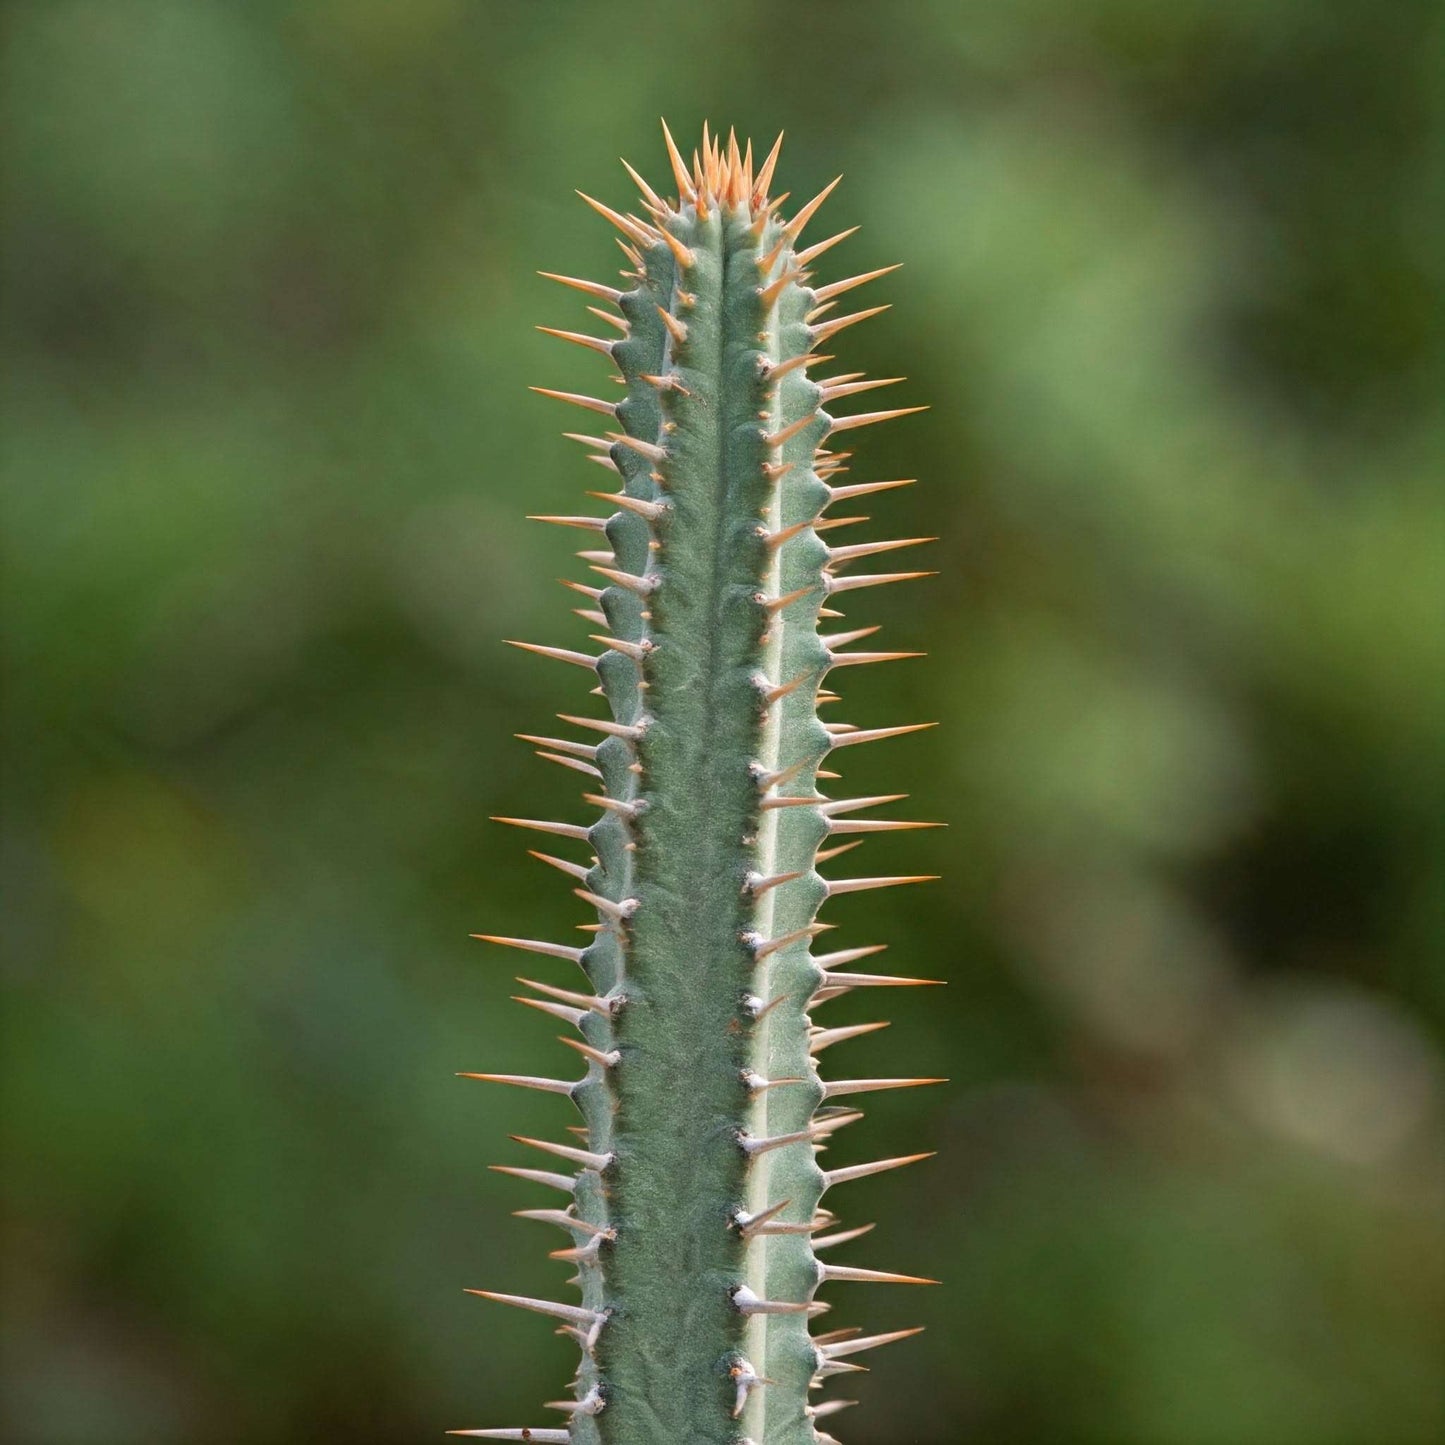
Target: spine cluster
(692, 1193)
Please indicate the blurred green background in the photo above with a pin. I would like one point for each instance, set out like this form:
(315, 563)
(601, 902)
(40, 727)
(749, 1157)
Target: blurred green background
(1172, 287)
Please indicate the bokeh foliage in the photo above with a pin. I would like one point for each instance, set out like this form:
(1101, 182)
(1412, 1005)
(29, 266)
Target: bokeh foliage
(1173, 288)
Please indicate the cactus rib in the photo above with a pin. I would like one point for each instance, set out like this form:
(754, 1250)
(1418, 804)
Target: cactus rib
(696, 1207)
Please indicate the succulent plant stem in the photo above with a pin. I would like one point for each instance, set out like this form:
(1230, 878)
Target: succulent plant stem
(693, 1207)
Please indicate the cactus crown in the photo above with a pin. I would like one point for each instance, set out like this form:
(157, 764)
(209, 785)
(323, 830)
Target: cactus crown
(693, 1194)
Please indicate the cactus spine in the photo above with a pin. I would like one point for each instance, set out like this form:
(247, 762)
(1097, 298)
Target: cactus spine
(693, 1208)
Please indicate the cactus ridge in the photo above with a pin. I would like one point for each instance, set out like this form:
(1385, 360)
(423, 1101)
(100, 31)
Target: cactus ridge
(694, 1215)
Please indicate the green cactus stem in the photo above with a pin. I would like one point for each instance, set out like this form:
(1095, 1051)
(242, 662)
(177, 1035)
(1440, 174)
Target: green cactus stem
(693, 1196)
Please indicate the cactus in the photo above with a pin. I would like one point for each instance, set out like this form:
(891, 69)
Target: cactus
(692, 1194)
